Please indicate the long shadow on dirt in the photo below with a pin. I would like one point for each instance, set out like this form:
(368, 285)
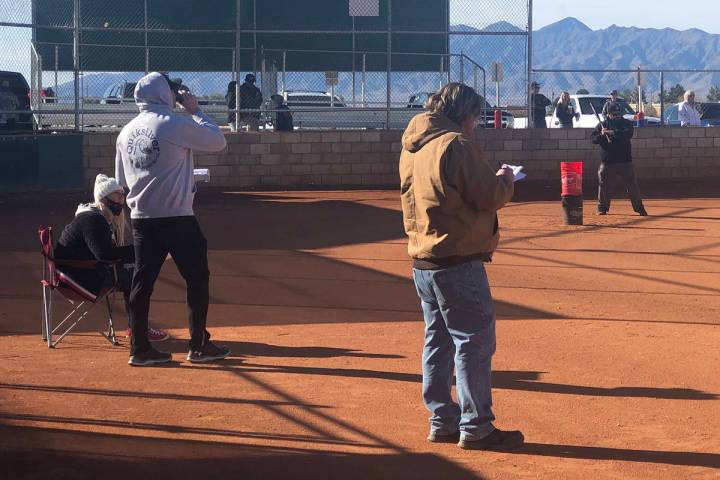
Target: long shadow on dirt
(76, 455)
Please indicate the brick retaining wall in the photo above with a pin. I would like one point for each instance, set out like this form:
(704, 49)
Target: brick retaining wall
(369, 158)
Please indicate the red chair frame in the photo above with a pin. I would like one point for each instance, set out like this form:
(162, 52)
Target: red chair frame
(55, 281)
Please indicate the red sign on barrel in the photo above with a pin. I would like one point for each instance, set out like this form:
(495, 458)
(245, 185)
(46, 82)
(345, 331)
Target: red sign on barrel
(571, 177)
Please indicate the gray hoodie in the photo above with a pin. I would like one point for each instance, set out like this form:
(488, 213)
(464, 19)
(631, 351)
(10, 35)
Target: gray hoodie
(154, 152)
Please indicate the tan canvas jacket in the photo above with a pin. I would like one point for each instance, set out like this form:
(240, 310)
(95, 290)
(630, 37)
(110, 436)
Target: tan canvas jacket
(450, 194)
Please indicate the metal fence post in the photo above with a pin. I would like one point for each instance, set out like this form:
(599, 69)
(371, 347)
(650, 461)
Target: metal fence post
(662, 98)
(484, 95)
(462, 67)
(147, 49)
(57, 65)
(264, 81)
(529, 62)
(236, 73)
(76, 60)
(389, 66)
(284, 68)
(442, 71)
(449, 67)
(353, 62)
(254, 36)
(362, 84)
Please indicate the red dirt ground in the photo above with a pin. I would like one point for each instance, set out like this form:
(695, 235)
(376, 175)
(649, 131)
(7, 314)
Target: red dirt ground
(607, 358)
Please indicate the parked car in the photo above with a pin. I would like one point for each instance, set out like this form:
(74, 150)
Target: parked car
(584, 106)
(337, 115)
(121, 92)
(124, 92)
(307, 98)
(419, 100)
(709, 114)
(14, 95)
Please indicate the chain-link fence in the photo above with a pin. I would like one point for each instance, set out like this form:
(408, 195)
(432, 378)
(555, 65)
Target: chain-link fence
(638, 89)
(335, 64)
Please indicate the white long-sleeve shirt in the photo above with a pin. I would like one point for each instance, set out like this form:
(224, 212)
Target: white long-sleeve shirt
(154, 152)
(688, 115)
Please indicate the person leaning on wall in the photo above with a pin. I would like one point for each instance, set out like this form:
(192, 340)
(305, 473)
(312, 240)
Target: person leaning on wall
(450, 196)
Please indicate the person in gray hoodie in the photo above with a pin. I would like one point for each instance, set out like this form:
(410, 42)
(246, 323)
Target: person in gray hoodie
(154, 161)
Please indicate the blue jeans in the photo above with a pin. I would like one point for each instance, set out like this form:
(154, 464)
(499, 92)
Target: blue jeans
(459, 331)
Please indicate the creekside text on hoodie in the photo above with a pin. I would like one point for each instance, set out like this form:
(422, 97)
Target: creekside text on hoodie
(154, 152)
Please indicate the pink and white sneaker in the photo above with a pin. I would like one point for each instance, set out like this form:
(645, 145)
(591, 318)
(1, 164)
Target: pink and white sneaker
(153, 334)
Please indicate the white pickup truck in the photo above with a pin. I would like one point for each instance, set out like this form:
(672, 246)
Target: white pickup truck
(586, 118)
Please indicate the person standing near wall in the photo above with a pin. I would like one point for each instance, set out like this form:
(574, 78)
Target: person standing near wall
(614, 135)
(450, 197)
(230, 99)
(688, 113)
(154, 160)
(613, 98)
(250, 98)
(564, 111)
(538, 104)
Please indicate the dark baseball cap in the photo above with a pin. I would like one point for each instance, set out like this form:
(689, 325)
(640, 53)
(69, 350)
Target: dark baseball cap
(174, 83)
(613, 92)
(534, 84)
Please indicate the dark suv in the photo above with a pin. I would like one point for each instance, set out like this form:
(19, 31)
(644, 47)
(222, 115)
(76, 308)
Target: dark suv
(14, 95)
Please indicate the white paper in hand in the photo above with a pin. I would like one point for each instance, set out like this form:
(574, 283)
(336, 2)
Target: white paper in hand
(517, 171)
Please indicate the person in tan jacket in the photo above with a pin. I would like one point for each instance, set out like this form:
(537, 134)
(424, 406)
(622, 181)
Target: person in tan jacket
(450, 196)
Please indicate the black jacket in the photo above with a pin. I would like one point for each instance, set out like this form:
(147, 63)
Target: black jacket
(538, 103)
(89, 237)
(250, 96)
(565, 115)
(616, 147)
(283, 119)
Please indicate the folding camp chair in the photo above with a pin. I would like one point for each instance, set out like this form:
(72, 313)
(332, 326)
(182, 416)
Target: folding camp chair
(55, 280)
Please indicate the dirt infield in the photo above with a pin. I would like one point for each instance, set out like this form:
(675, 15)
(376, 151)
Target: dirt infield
(608, 350)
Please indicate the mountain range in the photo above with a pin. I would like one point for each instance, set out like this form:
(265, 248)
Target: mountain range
(566, 44)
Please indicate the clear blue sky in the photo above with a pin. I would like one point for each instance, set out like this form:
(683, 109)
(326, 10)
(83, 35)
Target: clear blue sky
(677, 14)
(596, 14)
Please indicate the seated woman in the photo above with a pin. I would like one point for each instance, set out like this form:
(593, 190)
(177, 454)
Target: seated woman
(97, 233)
